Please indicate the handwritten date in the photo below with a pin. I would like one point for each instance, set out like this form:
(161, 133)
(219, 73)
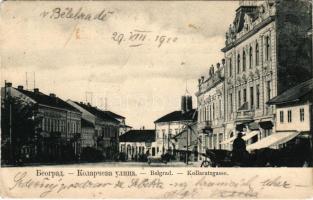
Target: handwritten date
(138, 38)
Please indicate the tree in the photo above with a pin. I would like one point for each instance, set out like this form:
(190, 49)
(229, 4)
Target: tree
(18, 125)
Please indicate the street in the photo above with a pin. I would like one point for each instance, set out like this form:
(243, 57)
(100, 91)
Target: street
(118, 164)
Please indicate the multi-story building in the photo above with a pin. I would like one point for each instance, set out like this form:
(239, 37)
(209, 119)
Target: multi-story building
(171, 124)
(106, 128)
(56, 135)
(136, 143)
(123, 127)
(267, 51)
(210, 97)
(88, 137)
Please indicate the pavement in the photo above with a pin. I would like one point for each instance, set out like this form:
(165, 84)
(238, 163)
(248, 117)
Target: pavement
(115, 164)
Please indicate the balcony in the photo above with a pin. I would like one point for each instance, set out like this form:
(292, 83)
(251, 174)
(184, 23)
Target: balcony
(244, 115)
(205, 126)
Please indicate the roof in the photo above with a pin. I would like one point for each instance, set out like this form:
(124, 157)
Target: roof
(44, 99)
(86, 123)
(178, 116)
(146, 135)
(293, 94)
(97, 112)
(114, 115)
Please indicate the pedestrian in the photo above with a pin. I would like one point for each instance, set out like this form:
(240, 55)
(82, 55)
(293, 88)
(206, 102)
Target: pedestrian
(239, 149)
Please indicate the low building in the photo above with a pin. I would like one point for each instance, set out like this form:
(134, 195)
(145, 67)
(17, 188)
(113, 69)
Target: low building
(171, 124)
(135, 143)
(57, 131)
(293, 118)
(187, 143)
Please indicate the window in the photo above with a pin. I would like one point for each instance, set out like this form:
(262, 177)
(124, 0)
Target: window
(239, 98)
(301, 114)
(257, 96)
(244, 61)
(213, 112)
(245, 95)
(220, 108)
(231, 102)
(238, 64)
(267, 47)
(281, 116)
(250, 57)
(230, 67)
(257, 54)
(289, 116)
(268, 90)
(251, 97)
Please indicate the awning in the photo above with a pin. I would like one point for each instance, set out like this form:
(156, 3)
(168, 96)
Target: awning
(250, 135)
(245, 137)
(274, 139)
(266, 125)
(253, 126)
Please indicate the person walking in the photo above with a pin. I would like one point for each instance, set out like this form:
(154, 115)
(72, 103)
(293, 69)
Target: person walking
(239, 149)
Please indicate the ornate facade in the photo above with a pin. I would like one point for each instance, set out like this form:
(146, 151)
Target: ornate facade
(258, 54)
(211, 108)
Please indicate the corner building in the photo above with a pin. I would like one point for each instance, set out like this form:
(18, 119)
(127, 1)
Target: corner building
(267, 50)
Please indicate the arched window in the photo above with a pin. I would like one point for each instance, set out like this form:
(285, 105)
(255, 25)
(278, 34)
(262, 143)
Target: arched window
(238, 63)
(244, 61)
(257, 54)
(250, 57)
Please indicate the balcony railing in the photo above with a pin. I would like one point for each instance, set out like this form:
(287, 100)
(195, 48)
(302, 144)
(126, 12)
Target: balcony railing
(244, 115)
(205, 126)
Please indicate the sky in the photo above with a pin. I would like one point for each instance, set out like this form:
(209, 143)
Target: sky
(133, 75)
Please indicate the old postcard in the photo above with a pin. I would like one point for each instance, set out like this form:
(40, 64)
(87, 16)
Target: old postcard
(156, 99)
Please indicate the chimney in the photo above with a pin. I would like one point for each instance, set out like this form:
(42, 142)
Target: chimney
(36, 90)
(188, 103)
(8, 84)
(183, 104)
(20, 87)
(52, 95)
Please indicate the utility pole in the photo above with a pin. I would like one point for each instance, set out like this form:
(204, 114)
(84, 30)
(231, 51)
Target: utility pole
(187, 144)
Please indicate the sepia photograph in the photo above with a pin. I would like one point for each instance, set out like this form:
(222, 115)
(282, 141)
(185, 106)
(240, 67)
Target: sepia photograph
(197, 84)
